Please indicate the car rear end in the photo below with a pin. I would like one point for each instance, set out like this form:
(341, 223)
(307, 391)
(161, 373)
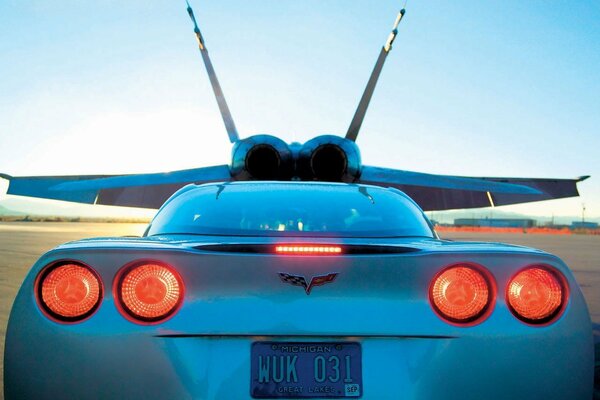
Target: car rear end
(302, 318)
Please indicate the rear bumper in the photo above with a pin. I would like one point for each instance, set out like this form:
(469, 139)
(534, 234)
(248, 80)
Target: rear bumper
(204, 351)
(218, 367)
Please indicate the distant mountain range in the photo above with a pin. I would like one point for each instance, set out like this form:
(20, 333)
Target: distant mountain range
(15, 206)
(21, 206)
(8, 211)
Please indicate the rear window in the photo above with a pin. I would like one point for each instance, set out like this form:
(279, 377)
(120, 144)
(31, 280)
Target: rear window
(291, 209)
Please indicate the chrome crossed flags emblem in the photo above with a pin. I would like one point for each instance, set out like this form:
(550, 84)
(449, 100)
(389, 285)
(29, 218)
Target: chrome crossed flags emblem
(298, 280)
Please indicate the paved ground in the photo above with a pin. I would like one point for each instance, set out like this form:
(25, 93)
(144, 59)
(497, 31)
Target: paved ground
(22, 243)
(580, 252)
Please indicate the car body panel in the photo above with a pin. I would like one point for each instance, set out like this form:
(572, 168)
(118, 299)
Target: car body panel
(234, 296)
(234, 299)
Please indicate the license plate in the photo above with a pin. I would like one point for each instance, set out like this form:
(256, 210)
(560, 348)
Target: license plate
(305, 370)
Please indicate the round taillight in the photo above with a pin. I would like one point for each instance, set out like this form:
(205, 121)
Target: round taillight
(150, 292)
(535, 295)
(69, 292)
(460, 293)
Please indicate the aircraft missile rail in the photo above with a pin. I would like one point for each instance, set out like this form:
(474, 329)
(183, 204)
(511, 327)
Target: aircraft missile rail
(361, 110)
(223, 108)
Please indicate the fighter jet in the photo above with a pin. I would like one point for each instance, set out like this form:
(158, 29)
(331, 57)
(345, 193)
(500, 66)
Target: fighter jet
(323, 158)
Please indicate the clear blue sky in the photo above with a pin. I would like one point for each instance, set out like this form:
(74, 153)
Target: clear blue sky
(494, 88)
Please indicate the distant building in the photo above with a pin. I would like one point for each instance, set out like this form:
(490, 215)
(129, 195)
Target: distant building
(584, 225)
(496, 222)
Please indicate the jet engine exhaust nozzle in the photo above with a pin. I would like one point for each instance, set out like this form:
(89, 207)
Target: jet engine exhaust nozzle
(329, 158)
(261, 157)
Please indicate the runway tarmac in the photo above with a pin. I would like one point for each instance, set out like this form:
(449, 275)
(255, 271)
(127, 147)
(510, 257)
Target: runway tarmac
(22, 243)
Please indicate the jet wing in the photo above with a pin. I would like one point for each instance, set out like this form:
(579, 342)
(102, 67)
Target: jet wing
(431, 192)
(551, 189)
(42, 187)
(447, 192)
(137, 190)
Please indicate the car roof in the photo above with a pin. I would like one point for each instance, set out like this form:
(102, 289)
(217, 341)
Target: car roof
(317, 186)
(292, 184)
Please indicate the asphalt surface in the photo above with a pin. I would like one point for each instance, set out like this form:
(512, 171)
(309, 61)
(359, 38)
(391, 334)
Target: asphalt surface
(22, 243)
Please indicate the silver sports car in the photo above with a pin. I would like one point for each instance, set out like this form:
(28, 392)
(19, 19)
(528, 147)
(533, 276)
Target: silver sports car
(297, 290)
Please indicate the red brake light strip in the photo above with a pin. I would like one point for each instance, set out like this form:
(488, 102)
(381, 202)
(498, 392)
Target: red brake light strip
(297, 249)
